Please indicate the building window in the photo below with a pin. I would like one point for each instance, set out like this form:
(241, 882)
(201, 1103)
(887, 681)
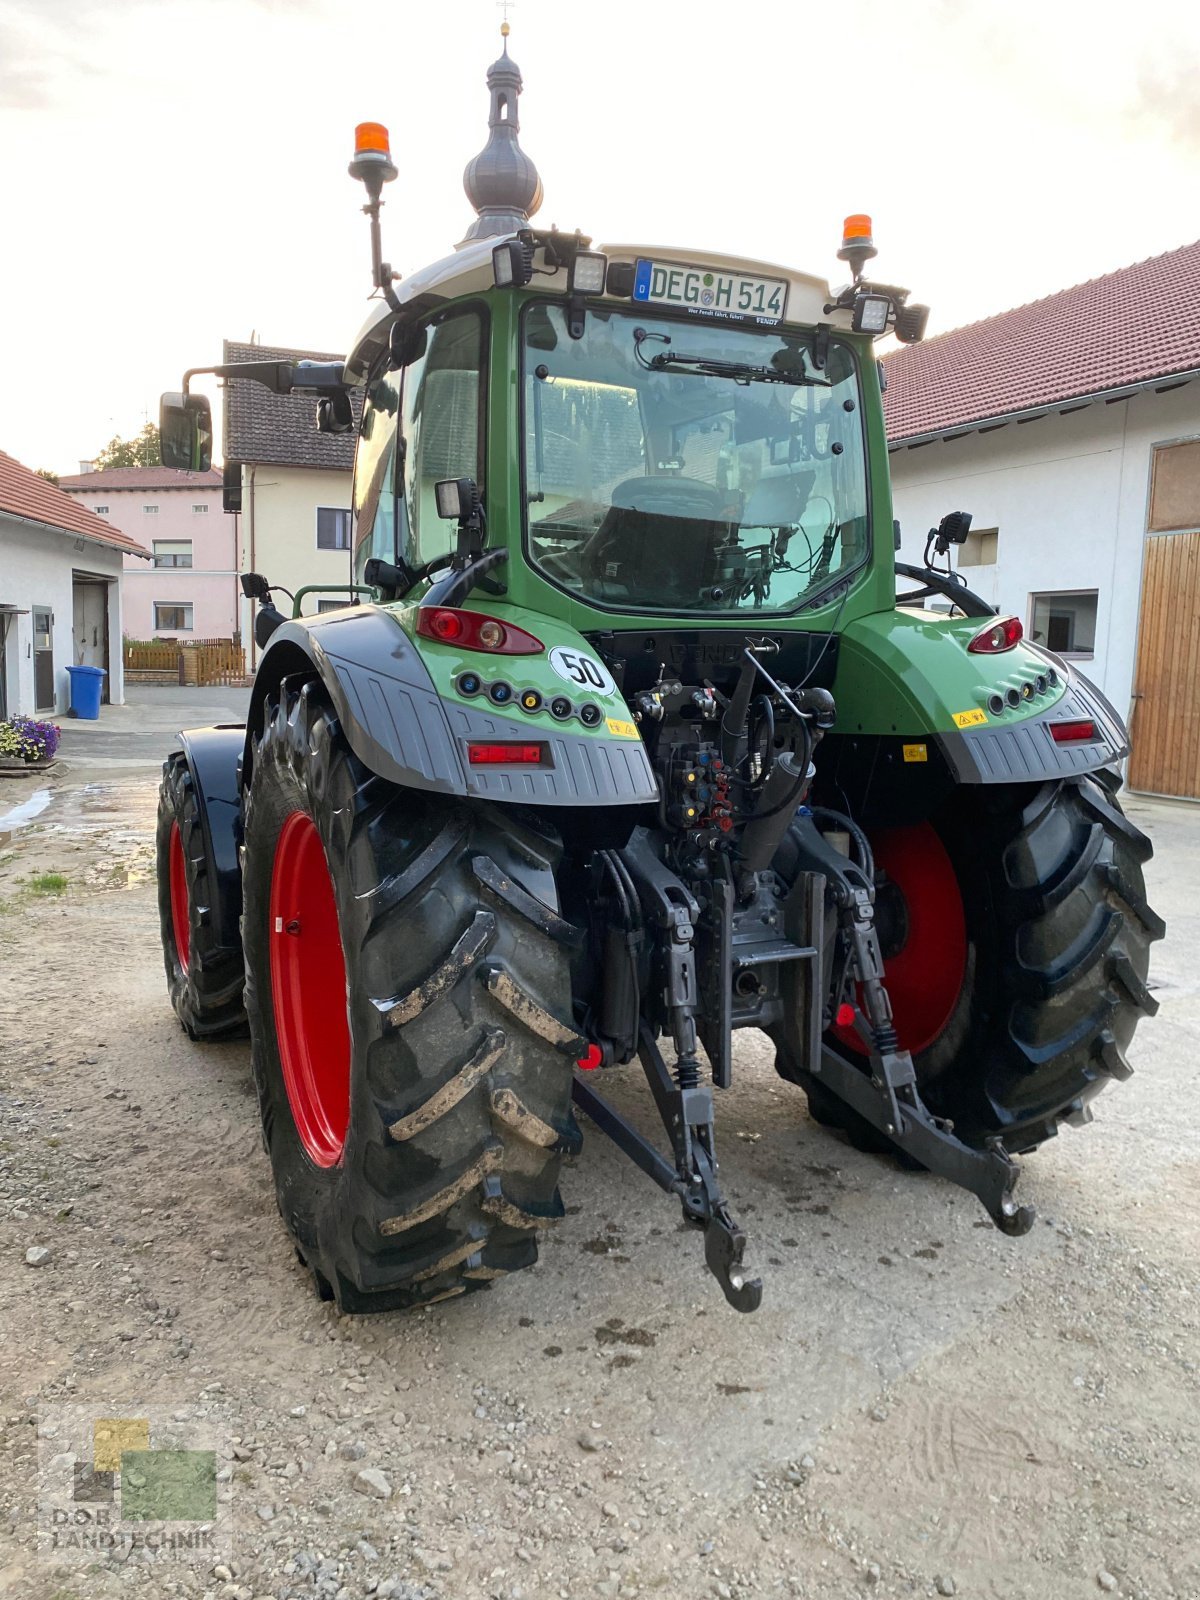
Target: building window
(333, 529)
(1175, 487)
(980, 549)
(1065, 623)
(151, 511)
(200, 510)
(101, 511)
(172, 552)
(172, 619)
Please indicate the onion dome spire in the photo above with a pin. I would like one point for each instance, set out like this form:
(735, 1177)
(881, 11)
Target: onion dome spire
(502, 183)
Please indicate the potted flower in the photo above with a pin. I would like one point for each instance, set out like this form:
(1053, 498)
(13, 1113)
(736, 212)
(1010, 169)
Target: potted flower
(27, 743)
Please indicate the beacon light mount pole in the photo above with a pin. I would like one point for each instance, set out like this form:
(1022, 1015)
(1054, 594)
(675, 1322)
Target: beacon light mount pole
(373, 165)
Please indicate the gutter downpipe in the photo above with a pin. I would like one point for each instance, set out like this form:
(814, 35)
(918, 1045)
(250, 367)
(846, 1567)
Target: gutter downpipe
(252, 567)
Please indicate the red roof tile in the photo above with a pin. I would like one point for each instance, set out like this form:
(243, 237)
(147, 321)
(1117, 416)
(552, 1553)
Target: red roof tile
(1126, 328)
(24, 494)
(142, 478)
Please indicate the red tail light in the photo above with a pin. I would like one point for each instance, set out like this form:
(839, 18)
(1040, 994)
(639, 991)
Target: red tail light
(505, 755)
(592, 1058)
(997, 637)
(1080, 731)
(471, 630)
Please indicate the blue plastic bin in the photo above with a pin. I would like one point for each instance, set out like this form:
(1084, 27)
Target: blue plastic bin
(86, 686)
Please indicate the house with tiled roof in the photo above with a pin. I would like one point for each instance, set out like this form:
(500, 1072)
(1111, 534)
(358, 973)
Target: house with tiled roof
(295, 481)
(1070, 429)
(60, 593)
(189, 589)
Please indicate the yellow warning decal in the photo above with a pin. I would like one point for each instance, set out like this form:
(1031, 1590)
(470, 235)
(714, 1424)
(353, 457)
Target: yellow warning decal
(916, 752)
(621, 730)
(968, 719)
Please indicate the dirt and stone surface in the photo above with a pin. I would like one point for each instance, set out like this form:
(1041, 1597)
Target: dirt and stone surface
(921, 1407)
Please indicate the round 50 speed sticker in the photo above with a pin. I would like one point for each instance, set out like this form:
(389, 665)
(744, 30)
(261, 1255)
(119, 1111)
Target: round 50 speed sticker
(581, 671)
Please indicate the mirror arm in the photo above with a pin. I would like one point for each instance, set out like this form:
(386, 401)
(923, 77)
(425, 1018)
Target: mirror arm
(281, 377)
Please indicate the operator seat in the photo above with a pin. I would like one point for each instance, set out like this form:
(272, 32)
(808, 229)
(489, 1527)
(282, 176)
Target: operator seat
(657, 542)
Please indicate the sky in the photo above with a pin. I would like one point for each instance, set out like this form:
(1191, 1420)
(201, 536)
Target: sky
(174, 172)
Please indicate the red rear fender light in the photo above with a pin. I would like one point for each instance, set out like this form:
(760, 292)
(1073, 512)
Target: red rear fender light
(1002, 634)
(1080, 730)
(471, 630)
(506, 754)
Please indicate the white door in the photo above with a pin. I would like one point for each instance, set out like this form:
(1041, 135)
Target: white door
(91, 615)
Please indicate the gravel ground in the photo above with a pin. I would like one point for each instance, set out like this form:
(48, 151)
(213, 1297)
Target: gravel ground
(921, 1407)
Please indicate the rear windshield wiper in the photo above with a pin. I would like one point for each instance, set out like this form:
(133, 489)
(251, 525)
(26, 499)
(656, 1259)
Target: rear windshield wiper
(713, 367)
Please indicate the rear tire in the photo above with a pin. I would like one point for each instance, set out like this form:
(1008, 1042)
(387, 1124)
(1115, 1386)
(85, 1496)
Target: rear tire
(1054, 965)
(456, 984)
(205, 978)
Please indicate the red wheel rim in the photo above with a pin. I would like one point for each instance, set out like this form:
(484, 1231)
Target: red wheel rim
(308, 991)
(181, 928)
(925, 976)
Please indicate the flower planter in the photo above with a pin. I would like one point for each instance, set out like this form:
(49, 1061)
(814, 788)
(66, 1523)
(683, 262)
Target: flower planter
(10, 768)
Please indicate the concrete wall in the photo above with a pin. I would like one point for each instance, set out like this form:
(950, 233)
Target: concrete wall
(279, 528)
(209, 586)
(37, 567)
(1070, 497)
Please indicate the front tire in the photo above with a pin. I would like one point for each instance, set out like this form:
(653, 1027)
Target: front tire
(205, 978)
(414, 1075)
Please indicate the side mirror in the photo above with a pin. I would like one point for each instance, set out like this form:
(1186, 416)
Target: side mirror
(185, 432)
(335, 413)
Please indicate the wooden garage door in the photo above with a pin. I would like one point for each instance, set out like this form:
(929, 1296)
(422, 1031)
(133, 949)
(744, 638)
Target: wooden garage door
(1165, 727)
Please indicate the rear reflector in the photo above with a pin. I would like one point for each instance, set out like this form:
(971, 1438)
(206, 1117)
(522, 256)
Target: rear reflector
(1081, 731)
(592, 1058)
(998, 636)
(501, 755)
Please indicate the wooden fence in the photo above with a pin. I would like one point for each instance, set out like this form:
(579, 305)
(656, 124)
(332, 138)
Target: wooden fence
(194, 661)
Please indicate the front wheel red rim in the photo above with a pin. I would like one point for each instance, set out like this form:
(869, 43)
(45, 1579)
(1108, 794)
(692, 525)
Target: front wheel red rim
(925, 973)
(181, 929)
(308, 990)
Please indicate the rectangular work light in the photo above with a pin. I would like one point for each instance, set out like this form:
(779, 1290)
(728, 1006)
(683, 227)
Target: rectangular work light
(871, 312)
(512, 264)
(588, 271)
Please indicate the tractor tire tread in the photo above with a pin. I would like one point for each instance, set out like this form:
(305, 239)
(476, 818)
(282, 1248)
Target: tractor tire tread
(439, 1192)
(207, 997)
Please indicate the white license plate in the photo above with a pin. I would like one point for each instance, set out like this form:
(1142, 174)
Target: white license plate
(706, 291)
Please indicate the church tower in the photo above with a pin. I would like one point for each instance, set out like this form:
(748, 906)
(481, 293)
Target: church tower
(502, 183)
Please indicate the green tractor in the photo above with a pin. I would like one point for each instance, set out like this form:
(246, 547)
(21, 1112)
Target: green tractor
(629, 743)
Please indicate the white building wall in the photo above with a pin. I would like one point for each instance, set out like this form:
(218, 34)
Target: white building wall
(37, 566)
(1070, 497)
(279, 530)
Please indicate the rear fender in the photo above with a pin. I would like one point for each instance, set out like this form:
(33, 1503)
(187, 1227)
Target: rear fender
(399, 726)
(213, 756)
(382, 693)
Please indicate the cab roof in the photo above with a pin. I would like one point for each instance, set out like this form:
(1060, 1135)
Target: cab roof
(469, 271)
